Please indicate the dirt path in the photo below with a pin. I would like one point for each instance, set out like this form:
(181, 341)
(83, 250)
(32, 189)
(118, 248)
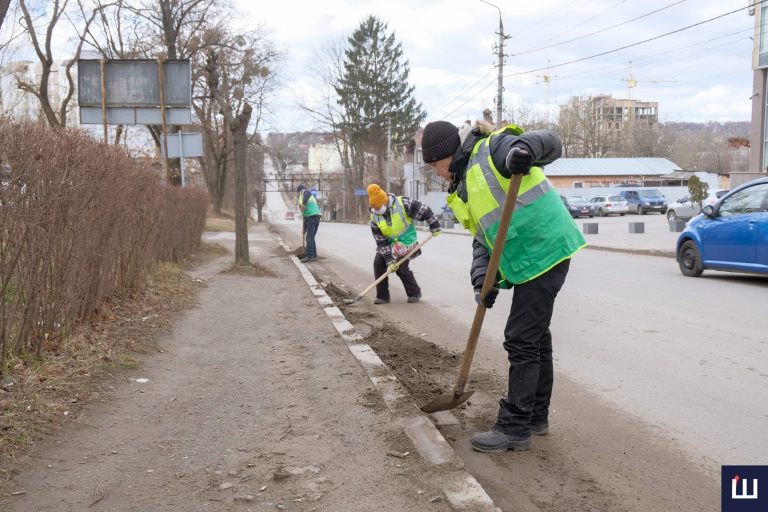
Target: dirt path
(252, 402)
(596, 458)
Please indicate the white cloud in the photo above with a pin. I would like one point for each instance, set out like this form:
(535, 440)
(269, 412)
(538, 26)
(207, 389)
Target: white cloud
(449, 48)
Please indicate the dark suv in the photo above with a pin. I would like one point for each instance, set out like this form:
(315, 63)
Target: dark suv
(642, 201)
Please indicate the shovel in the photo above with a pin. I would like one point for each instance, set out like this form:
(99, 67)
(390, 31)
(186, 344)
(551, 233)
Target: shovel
(458, 396)
(385, 274)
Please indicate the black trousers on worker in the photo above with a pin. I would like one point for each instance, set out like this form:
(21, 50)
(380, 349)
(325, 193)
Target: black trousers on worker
(403, 272)
(528, 342)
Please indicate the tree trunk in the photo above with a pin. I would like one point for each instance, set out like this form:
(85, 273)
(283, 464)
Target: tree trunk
(239, 128)
(3, 9)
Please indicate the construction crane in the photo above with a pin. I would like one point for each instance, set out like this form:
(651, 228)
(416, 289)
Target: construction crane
(631, 84)
(629, 109)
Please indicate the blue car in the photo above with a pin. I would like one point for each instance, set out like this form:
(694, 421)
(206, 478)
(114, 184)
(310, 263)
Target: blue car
(731, 235)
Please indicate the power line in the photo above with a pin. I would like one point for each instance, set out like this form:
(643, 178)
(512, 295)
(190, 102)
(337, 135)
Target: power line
(579, 25)
(456, 96)
(471, 98)
(651, 58)
(597, 31)
(635, 44)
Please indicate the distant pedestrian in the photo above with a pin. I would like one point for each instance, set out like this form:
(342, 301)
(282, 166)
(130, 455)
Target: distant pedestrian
(310, 212)
(392, 224)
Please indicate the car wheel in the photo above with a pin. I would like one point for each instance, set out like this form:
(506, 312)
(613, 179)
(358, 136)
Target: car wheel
(600, 212)
(689, 259)
(621, 214)
(671, 216)
(640, 210)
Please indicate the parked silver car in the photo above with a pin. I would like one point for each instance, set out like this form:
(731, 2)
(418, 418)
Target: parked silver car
(606, 205)
(684, 209)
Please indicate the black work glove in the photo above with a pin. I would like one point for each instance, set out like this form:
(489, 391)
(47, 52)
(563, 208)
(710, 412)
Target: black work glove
(490, 297)
(519, 161)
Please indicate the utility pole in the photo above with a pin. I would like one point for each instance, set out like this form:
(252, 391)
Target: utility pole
(500, 84)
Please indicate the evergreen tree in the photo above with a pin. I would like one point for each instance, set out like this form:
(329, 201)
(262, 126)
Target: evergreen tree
(373, 90)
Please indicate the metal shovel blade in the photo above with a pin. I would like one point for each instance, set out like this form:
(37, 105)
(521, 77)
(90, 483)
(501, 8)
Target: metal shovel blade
(447, 401)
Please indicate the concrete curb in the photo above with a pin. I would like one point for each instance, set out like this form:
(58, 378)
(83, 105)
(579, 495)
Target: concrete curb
(627, 250)
(461, 490)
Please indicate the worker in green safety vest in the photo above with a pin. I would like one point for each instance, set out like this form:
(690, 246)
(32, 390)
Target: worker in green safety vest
(395, 234)
(310, 212)
(542, 238)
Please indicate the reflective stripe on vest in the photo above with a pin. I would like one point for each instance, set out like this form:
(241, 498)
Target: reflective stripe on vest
(533, 185)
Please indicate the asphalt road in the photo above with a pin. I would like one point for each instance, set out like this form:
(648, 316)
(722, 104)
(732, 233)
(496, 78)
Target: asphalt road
(689, 357)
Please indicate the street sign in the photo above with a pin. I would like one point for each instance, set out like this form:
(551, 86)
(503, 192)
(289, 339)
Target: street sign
(360, 192)
(183, 145)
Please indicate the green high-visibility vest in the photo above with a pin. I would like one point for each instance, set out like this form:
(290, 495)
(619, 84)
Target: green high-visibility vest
(542, 232)
(311, 208)
(400, 227)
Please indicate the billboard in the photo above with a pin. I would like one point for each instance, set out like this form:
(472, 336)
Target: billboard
(133, 91)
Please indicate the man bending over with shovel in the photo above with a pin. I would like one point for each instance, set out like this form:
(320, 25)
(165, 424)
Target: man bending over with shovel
(536, 254)
(395, 234)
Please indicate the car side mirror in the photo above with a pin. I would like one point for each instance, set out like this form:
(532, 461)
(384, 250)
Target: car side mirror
(708, 210)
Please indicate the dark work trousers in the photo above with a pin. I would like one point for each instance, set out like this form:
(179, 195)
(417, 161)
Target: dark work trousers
(403, 272)
(528, 343)
(312, 223)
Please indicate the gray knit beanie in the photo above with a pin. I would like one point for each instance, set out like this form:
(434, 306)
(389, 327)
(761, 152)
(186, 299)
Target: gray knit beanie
(440, 140)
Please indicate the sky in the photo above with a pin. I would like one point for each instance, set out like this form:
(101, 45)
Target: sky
(697, 74)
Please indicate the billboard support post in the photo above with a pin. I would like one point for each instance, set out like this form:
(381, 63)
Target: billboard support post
(181, 159)
(103, 99)
(161, 77)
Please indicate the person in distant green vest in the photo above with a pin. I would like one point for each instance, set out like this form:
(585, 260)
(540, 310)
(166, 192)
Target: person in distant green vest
(542, 238)
(395, 234)
(310, 212)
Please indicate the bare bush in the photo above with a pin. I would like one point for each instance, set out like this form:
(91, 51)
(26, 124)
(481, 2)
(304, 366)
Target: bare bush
(80, 222)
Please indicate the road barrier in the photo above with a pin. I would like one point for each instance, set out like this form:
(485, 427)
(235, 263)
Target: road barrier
(676, 226)
(637, 227)
(589, 228)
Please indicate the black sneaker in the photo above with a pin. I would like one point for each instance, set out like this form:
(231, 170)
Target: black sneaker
(539, 430)
(307, 260)
(381, 301)
(495, 441)
(414, 298)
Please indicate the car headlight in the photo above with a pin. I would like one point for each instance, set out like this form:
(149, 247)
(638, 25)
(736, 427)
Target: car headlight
(646, 204)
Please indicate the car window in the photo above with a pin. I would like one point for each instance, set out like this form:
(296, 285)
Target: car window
(649, 193)
(577, 198)
(616, 198)
(749, 200)
(597, 199)
(721, 193)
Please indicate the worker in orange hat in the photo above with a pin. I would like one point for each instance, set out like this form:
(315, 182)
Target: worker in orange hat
(392, 224)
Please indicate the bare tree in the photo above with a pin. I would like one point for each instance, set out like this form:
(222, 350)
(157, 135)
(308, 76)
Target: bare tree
(245, 65)
(41, 38)
(238, 125)
(581, 127)
(327, 66)
(526, 117)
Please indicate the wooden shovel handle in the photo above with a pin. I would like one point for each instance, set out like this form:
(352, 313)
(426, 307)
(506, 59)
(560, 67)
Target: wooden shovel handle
(400, 261)
(490, 278)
